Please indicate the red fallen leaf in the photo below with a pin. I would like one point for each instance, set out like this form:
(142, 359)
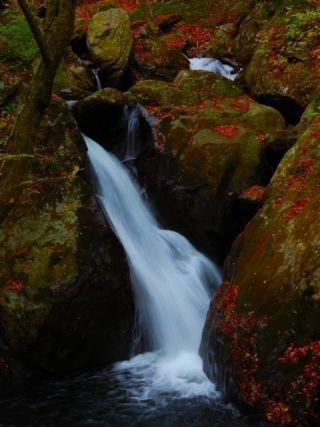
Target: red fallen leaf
(217, 102)
(314, 134)
(175, 42)
(262, 136)
(296, 207)
(196, 35)
(242, 104)
(278, 412)
(128, 5)
(228, 131)
(86, 8)
(55, 97)
(14, 285)
(255, 192)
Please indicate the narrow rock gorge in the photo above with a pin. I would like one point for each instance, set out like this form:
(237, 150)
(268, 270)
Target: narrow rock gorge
(159, 254)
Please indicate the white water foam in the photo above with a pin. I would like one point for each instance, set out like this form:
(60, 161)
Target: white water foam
(156, 375)
(172, 282)
(213, 65)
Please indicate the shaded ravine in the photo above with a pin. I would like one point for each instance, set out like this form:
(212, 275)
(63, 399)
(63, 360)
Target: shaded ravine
(173, 284)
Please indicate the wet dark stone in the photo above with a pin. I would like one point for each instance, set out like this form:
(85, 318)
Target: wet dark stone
(288, 107)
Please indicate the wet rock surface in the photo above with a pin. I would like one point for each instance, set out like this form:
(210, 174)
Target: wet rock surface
(208, 147)
(285, 61)
(255, 343)
(65, 300)
(109, 42)
(207, 167)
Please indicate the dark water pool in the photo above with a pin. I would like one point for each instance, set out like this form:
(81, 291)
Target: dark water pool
(104, 399)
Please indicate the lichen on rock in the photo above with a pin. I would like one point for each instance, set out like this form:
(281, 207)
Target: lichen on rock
(209, 146)
(274, 265)
(109, 42)
(62, 270)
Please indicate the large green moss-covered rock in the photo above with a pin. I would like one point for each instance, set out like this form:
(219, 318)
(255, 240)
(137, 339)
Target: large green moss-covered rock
(225, 19)
(65, 303)
(104, 100)
(208, 147)
(159, 57)
(246, 40)
(109, 42)
(189, 88)
(261, 341)
(286, 59)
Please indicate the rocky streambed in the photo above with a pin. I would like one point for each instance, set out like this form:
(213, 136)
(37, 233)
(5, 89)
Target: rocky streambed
(231, 164)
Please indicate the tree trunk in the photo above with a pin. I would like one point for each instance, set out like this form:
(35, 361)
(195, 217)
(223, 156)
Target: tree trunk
(37, 97)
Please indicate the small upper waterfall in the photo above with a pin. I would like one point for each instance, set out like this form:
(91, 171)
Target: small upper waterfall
(172, 282)
(131, 116)
(96, 75)
(213, 65)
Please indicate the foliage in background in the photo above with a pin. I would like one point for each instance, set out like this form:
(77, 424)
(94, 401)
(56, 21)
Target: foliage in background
(17, 46)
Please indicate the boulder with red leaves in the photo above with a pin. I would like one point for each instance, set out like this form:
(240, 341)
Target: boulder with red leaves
(207, 150)
(261, 341)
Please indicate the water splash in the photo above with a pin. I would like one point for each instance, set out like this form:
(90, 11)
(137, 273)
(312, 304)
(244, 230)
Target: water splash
(213, 65)
(172, 282)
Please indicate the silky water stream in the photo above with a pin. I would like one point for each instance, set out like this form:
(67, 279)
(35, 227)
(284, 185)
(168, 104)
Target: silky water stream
(172, 283)
(213, 65)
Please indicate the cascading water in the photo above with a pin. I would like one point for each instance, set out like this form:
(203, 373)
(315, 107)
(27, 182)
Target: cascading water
(172, 282)
(132, 147)
(96, 75)
(213, 65)
(165, 386)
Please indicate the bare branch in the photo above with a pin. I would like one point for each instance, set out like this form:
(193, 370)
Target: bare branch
(36, 30)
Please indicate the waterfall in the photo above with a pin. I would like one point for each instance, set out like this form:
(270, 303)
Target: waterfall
(132, 146)
(172, 283)
(96, 75)
(213, 65)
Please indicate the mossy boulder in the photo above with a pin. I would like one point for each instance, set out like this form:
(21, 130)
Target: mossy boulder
(65, 303)
(100, 116)
(208, 147)
(286, 59)
(74, 76)
(189, 88)
(261, 338)
(246, 41)
(159, 57)
(222, 42)
(105, 99)
(109, 42)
